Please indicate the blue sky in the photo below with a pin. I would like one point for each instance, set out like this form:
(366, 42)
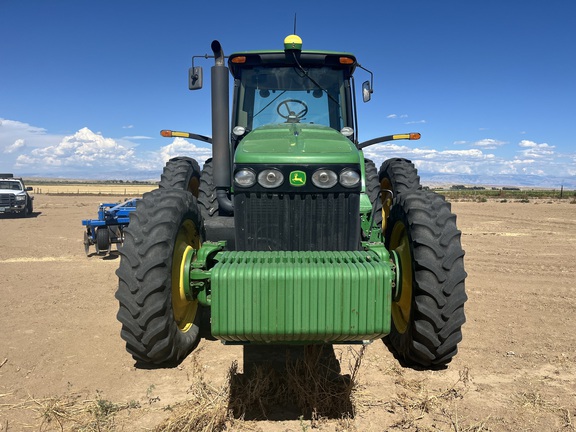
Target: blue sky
(86, 86)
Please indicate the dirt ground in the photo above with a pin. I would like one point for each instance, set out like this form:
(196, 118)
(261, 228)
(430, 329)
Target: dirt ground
(62, 358)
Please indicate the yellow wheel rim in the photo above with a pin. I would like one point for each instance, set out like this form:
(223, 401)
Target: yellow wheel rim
(400, 243)
(386, 198)
(184, 310)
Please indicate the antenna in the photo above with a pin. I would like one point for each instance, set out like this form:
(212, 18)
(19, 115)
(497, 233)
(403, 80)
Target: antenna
(294, 23)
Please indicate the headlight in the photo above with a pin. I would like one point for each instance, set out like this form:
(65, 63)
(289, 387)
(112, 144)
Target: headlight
(239, 130)
(270, 178)
(245, 178)
(349, 178)
(347, 131)
(324, 178)
(20, 197)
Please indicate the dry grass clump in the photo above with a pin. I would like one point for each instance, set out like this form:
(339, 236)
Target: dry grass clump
(310, 387)
(71, 413)
(533, 402)
(206, 408)
(423, 408)
(307, 388)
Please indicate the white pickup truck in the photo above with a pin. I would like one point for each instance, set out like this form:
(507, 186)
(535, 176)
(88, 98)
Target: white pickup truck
(14, 197)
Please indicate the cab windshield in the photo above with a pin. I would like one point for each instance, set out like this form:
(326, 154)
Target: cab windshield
(274, 95)
(10, 184)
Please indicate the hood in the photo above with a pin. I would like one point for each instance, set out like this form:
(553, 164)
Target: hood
(296, 143)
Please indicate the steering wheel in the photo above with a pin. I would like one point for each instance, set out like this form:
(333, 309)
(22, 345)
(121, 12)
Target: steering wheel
(292, 116)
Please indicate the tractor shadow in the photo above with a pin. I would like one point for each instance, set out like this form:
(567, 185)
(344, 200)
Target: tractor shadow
(32, 215)
(285, 382)
(406, 365)
(111, 256)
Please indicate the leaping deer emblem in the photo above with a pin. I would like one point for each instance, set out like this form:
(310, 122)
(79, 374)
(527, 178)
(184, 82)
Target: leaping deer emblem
(297, 178)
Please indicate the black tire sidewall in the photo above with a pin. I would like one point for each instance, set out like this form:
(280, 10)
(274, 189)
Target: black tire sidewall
(181, 173)
(373, 191)
(402, 175)
(436, 305)
(102, 239)
(154, 226)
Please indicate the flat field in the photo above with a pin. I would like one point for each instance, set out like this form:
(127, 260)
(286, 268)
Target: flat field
(63, 365)
(106, 189)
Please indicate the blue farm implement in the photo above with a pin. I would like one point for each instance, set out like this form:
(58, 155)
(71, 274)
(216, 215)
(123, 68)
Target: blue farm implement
(113, 218)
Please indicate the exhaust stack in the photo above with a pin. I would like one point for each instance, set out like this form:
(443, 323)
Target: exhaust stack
(220, 128)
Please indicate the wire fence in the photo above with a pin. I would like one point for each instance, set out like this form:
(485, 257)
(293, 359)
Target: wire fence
(91, 189)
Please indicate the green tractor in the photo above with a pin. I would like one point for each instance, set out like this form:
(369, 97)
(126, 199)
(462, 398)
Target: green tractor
(288, 235)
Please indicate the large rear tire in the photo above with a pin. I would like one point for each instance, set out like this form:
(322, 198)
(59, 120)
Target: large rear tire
(159, 324)
(428, 313)
(181, 173)
(397, 176)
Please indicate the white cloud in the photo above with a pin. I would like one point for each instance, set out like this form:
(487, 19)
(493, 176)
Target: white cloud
(180, 147)
(86, 154)
(18, 145)
(12, 131)
(489, 143)
(84, 149)
(535, 150)
(137, 137)
(391, 116)
(416, 122)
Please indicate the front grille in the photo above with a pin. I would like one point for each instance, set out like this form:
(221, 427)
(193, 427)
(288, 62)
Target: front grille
(7, 200)
(297, 222)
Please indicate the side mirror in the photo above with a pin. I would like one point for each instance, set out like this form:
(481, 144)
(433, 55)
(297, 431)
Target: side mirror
(195, 78)
(29, 188)
(366, 91)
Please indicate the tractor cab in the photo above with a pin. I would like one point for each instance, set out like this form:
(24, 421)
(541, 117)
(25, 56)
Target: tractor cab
(292, 86)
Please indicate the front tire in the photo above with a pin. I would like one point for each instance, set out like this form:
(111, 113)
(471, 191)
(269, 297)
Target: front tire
(160, 326)
(428, 313)
(26, 212)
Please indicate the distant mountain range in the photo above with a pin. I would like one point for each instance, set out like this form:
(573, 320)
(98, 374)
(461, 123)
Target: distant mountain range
(522, 181)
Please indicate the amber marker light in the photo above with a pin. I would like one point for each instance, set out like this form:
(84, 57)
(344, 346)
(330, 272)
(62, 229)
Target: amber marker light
(346, 60)
(180, 134)
(172, 134)
(239, 59)
(414, 136)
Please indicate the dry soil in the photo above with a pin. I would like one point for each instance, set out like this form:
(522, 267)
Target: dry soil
(60, 347)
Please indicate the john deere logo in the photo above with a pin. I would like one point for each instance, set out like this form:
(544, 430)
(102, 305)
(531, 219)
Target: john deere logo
(297, 178)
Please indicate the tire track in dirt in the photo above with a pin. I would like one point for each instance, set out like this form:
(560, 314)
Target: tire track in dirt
(39, 259)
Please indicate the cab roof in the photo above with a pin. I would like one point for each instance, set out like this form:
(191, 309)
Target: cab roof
(287, 58)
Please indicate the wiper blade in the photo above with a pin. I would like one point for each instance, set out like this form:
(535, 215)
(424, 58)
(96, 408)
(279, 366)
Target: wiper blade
(268, 104)
(305, 72)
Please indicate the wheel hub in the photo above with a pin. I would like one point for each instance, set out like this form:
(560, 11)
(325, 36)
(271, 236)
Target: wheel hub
(184, 309)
